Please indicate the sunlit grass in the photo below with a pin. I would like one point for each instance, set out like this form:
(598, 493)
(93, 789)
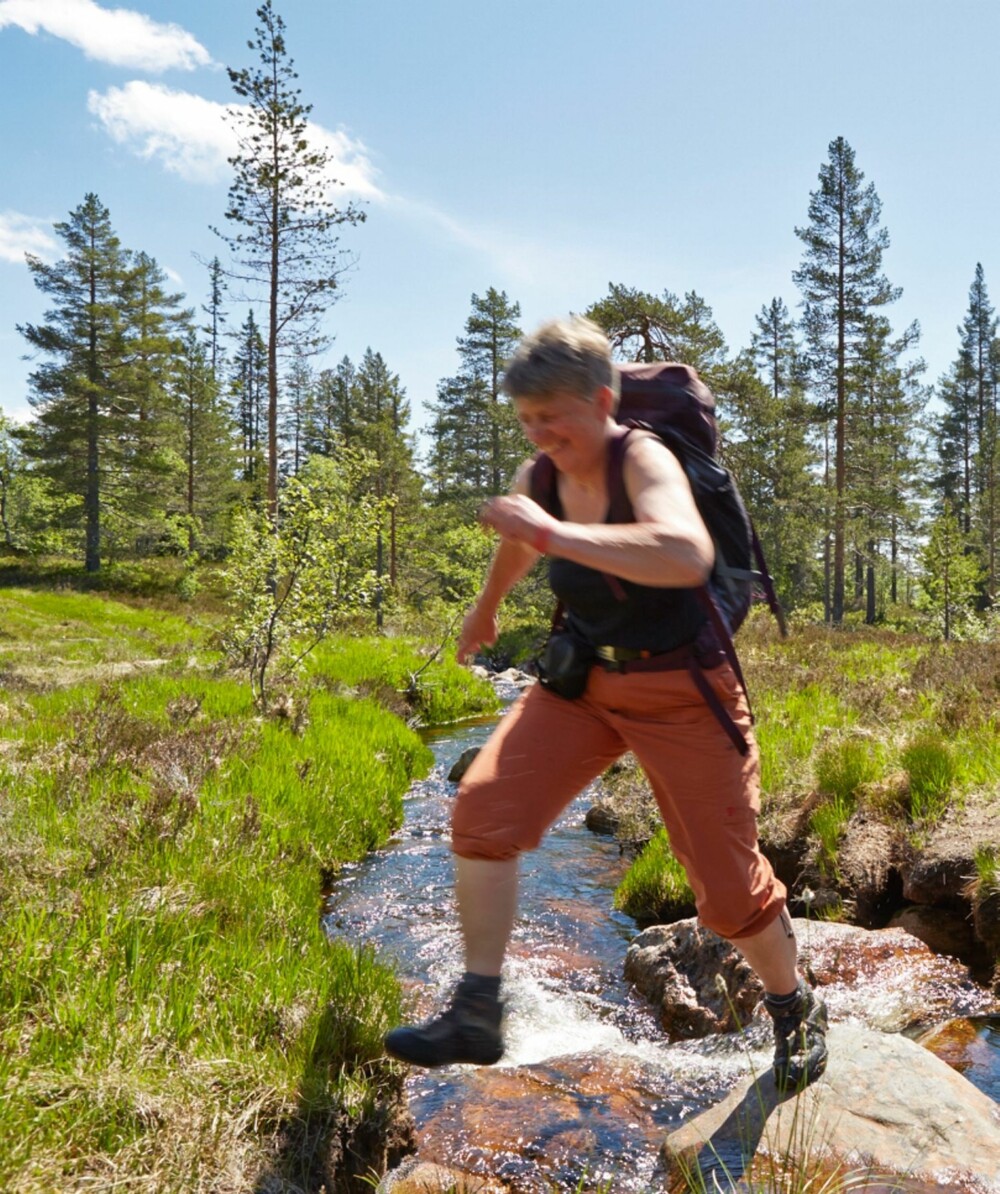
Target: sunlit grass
(434, 694)
(987, 860)
(789, 726)
(169, 1003)
(655, 885)
(86, 628)
(931, 766)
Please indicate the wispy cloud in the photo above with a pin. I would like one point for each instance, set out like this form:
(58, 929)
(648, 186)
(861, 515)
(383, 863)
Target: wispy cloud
(119, 36)
(517, 258)
(192, 137)
(21, 234)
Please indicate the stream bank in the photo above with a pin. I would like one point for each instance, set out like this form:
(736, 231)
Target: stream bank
(591, 1085)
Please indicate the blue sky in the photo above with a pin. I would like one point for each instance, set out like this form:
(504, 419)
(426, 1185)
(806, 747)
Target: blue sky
(545, 148)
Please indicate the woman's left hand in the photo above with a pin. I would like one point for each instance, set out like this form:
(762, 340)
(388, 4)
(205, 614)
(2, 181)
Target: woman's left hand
(520, 519)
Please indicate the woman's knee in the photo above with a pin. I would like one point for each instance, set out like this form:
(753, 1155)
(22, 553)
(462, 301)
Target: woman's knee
(734, 915)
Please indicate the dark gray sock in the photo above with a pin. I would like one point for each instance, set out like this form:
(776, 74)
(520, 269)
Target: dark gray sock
(480, 984)
(782, 1003)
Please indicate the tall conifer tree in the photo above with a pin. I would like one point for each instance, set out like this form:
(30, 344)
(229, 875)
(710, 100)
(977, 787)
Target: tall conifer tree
(210, 448)
(80, 425)
(843, 286)
(967, 430)
(286, 237)
(249, 390)
(477, 443)
(644, 327)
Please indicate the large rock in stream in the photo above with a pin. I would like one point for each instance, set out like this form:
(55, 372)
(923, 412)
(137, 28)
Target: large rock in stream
(886, 1104)
(887, 979)
(884, 1107)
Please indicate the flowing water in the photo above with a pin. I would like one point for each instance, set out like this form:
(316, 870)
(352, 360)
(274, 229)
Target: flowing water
(588, 1087)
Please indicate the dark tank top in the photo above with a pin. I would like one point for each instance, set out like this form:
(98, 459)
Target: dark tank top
(609, 611)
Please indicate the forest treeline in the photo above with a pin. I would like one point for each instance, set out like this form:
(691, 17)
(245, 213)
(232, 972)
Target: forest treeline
(159, 424)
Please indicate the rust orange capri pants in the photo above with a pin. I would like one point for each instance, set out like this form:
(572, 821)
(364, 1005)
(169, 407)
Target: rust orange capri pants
(547, 749)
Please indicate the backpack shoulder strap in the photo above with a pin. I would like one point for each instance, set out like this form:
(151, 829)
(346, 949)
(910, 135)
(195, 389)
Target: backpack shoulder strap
(619, 505)
(542, 485)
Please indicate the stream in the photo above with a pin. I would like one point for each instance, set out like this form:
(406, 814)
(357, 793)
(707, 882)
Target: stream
(588, 1087)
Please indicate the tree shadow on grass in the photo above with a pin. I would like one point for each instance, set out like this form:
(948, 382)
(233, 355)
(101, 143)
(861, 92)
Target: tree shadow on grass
(325, 1148)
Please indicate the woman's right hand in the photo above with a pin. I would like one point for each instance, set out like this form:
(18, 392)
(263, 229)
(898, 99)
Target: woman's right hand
(479, 629)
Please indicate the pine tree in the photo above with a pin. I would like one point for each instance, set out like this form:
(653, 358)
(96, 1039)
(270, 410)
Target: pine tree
(215, 310)
(766, 424)
(30, 512)
(642, 327)
(967, 430)
(843, 285)
(210, 449)
(383, 415)
(279, 203)
(476, 441)
(300, 398)
(951, 573)
(887, 401)
(491, 335)
(149, 490)
(80, 424)
(333, 416)
(461, 434)
(249, 385)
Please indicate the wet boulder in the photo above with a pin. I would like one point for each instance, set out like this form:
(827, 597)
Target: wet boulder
(603, 818)
(942, 930)
(425, 1177)
(461, 764)
(886, 978)
(514, 677)
(698, 983)
(885, 1106)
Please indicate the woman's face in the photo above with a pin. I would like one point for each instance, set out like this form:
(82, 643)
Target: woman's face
(568, 429)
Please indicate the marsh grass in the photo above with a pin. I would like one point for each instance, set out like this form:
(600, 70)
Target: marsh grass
(399, 676)
(171, 1013)
(931, 767)
(655, 887)
(869, 722)
(987, 860)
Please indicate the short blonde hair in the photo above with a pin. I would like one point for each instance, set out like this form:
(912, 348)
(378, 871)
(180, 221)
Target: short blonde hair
(564, 355)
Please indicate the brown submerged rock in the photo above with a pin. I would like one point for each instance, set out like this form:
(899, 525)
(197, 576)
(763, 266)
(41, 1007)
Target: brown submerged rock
(425, 1177)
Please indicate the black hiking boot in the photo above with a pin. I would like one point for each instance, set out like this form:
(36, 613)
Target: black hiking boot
(467, 1032)
(799, 1038)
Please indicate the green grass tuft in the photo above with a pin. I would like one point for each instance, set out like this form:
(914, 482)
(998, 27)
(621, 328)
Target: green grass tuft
(930, 765)
(655, 887)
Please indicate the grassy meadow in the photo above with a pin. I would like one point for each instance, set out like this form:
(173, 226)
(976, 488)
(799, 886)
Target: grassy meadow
(172, 1016)
(864, 723)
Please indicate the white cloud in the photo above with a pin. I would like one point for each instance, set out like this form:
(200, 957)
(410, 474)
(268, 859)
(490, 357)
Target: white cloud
(25, 234)
(186, 133)
(119, 36)
(190, 136)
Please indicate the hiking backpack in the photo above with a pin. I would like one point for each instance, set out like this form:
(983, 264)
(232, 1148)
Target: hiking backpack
(671, 400)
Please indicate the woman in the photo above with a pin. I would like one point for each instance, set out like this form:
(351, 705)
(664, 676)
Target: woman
(628, 589)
